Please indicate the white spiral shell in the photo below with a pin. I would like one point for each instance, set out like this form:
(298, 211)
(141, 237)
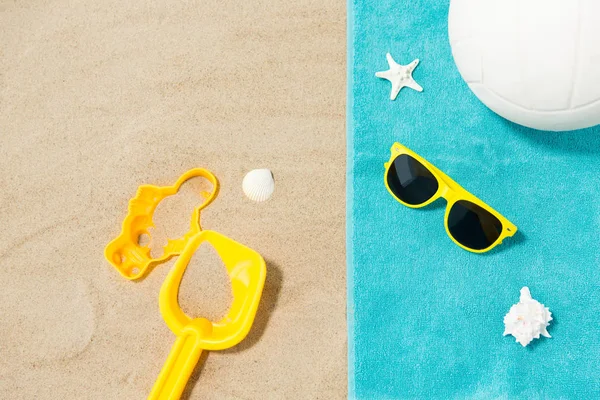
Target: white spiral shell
(258, 184)
(528, 319)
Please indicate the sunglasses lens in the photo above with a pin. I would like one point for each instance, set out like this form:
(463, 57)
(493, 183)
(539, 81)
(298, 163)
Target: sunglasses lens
(473, 226)
(410, 181)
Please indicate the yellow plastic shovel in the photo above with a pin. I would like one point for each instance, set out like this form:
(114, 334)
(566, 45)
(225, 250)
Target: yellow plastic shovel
(247, 272)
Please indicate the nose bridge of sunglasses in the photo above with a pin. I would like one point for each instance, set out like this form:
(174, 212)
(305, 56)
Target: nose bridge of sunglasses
(125, 253)
(451, 188)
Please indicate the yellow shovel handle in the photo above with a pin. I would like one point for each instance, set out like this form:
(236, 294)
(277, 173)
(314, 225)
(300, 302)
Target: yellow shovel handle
(177, 369)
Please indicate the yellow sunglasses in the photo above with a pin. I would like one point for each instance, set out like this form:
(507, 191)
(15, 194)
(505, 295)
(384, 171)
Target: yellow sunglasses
(470, 223)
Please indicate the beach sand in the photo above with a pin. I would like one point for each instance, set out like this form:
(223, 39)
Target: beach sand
(97, 98)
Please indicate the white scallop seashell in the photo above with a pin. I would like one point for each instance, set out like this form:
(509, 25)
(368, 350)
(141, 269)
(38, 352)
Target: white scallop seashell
(258, 184)
(528, 319)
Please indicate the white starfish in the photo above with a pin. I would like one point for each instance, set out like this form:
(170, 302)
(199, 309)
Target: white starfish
(400, 76)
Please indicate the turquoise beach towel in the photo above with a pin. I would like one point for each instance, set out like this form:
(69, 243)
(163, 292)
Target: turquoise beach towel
(426, 317)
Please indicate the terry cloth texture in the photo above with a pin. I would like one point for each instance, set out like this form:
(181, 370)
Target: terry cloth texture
(426, 317)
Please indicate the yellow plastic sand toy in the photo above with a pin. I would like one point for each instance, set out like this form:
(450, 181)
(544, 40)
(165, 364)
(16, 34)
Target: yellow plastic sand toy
(247, 271)
(132, 259)
(245, 267)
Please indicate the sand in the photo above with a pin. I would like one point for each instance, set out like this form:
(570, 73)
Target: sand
(99, 97)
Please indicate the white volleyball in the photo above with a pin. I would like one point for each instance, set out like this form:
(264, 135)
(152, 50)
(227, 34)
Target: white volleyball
(258, 184)
(534, 62)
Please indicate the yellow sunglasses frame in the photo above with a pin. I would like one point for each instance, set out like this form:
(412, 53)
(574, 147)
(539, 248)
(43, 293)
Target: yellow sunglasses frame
(452, 192)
